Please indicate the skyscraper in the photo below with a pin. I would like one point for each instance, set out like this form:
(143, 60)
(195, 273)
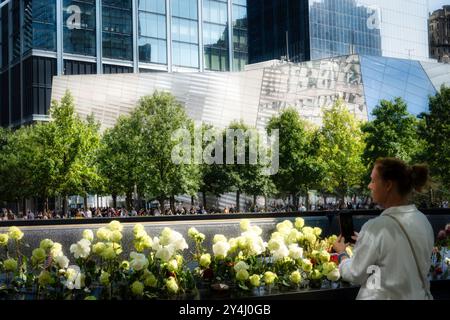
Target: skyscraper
(317, 29)
(43, 38)
(439, 31)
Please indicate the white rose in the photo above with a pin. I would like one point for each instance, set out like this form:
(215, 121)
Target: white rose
(81, 249)
(115, 226)
(75, 279)
(138, 228)
(156, 245)
(104, 234)
(166, 236)
(285, 227)
(295, 252)
(88, 235)
(221, 249)
(257, 230)
(275, 244)
(180, 244)
(165, 253)
(56, 249)
(245, 224)
(281, 253)
(138, 261)
(62, 261)
(447, 261)
(219, 238)
(334, 275)
(293, 236)
(241, 265)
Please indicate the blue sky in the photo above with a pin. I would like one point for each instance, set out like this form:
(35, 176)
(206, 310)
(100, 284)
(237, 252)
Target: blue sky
(437, 4)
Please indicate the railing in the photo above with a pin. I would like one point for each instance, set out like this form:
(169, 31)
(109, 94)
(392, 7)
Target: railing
(201, 217)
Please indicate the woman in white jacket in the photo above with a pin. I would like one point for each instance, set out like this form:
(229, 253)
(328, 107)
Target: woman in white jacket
(392, 254)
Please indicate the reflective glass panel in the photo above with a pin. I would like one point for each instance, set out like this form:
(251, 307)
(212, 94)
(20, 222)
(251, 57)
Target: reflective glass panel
(369, 27)
(185, 33)
(79, 27)
(215, 35)
(44, 24)
(389, 78)
(240, 35)
(152, 31)
(117, 29)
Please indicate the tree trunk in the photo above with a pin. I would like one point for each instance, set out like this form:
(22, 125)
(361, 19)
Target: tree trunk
(161, 204)
(204, 199)
(129, 200)
(114, 196)
(192, 200)
(97, 201)
(64, 199)
(254, 200)
(238, 196)
(85, 204)
(17, 207)
(24, 206)
(307, 201)
(172, 204)
(265, 203)
(46, 204)
(295, 201)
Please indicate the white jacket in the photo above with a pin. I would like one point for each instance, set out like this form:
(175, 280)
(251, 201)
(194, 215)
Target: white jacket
(381, 243)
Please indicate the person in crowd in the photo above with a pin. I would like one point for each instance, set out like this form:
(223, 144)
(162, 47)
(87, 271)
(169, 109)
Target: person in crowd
(395, 247)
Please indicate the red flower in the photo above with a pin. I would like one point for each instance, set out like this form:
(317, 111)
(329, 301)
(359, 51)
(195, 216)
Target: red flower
(438, 270)
(334, 258)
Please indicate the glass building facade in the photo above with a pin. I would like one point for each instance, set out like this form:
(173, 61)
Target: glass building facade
(330, 28)
(388, 78)
(40, 39)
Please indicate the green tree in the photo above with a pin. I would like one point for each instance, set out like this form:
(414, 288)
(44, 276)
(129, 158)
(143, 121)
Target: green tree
(66, 148)
(341, 149)
(120, 161)
(300, 167)
(392, 133)
(215, 179)
(17, 154)
(245, 175)
(158, 118)
(436, 132)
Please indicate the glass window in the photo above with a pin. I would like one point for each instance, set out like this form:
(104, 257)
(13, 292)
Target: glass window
(400, 78)
(152, 32)
(44, 24)
(342, 29)
(184, 9)
(152, 25)
(185, 33)
(184, 30)
(156, 6)
(152, 50)
(117, 29)
(79, 27)
(185, 54)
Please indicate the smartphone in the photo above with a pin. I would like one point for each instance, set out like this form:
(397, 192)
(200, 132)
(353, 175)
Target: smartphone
(346, 225)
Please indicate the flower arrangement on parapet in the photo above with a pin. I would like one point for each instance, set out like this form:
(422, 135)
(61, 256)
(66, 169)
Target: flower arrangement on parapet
(440, 260)
(294, 257)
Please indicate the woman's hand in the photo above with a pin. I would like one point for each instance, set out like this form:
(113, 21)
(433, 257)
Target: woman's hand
(339, 246)
(355, 237)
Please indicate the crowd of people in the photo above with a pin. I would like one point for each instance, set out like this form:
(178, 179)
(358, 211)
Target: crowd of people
(180, 210)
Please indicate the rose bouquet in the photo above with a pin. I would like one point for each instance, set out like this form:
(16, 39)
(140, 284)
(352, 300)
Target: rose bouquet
(440, 259)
